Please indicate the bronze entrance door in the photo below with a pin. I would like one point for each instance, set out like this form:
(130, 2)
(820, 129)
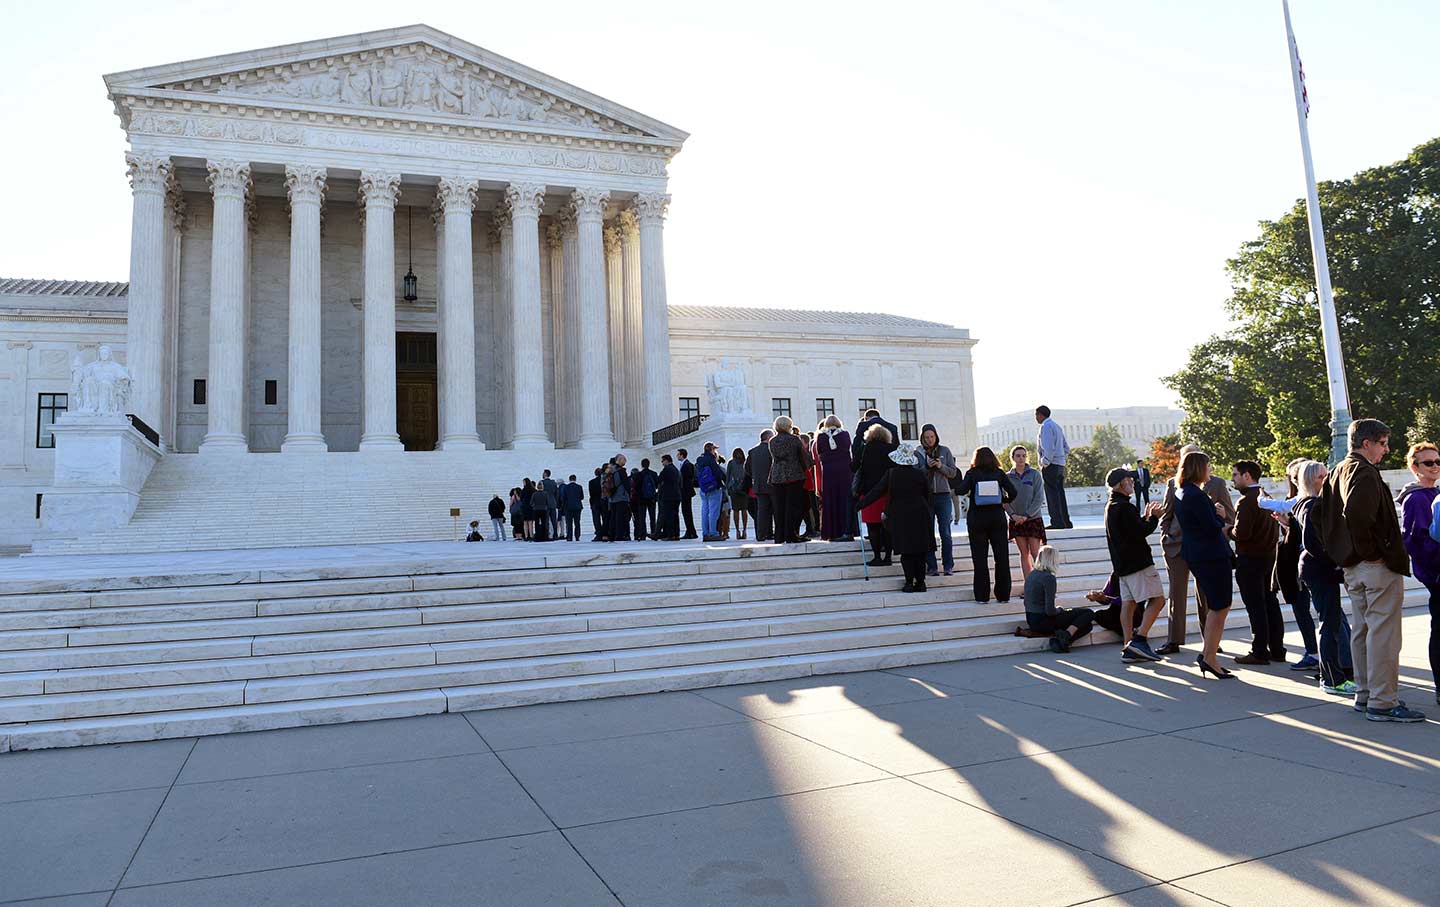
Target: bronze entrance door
(417, 407)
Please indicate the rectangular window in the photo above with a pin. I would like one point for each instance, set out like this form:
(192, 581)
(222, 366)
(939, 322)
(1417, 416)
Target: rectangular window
(51, 406)
(198, 395)
(824, 406)
(867, 403)
(689, 408)
(779, 406)
(38, 499)
(272, 392)
(909, 421)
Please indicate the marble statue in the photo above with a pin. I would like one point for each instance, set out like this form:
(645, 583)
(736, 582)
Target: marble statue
(102, 387)
(726, 390)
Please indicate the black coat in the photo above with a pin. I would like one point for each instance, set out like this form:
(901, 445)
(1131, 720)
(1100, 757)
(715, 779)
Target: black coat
(596, 498)
(857, 440)
(687, 479)
(1127, 535)
(908, 516)
(873, 466)
(497, 509)
(669, 483)
(572, 497)
(757, 467)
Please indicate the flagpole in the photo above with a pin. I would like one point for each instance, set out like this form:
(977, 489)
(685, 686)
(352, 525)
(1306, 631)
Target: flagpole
(1330, 328)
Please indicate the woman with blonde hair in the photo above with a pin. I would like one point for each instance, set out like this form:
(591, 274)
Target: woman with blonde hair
(832, 458)
(1418, 506)
(789, 461)
(1287, 570)
(1065, 625)
(1206, 552)
(1322, 577)
(874, 463)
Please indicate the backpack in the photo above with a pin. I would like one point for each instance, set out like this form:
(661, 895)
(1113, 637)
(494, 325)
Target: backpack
(1435, 519)
(706, 477)
(647, 486)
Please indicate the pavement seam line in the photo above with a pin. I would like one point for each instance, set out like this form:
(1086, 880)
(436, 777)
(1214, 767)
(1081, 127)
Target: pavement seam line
(194, 742)
(333, 768)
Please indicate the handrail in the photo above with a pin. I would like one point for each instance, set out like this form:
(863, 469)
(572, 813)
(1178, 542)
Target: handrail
(146, 431)
(678, 430)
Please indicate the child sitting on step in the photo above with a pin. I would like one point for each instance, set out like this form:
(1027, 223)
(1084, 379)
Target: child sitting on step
(474, 535)
(1065, 624)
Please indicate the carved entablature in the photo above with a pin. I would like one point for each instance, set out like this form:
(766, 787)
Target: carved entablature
(415, 77)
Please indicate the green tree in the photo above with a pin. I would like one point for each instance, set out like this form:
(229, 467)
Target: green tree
(1426, 427)
(1084, 467)
(1259, 389)
(1112, 448)
(1004, 453)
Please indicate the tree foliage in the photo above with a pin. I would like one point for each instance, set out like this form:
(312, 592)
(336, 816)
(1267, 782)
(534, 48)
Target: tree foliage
(1112, 448)
(1260, 389)
(1164, 458)
(1426, 426)
(1085, 467)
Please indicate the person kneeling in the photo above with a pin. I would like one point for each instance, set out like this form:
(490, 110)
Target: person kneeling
(1066, 625)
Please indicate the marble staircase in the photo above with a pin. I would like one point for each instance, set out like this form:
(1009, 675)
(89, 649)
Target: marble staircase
(195, 502)
(158, 654)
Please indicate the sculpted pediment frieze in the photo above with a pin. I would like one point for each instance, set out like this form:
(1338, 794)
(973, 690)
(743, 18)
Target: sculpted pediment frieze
(413, 77)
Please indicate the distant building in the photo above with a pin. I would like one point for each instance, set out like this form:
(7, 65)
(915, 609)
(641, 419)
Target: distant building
(1138, 425)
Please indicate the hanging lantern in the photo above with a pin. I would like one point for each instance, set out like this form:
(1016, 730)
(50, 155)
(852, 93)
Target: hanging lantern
(411, 283)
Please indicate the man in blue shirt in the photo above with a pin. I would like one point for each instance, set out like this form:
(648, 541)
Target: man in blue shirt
(1054, 450)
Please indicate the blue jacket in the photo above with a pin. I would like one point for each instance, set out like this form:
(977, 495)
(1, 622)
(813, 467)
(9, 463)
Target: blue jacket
(572, 497)
(1202, 531)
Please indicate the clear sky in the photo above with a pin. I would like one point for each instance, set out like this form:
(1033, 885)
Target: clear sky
(1066, 180)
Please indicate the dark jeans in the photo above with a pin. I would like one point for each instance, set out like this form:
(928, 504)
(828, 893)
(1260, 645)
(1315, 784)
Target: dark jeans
(787, 499)
(688, 510)
(1054, 478)
(942, 509)
(597, 514)
(986, 526)
(1334, 632)
(1252, 575)
(639, 518)
(1300, 607)
(1078, 621)
(572, 525)
(619, 521)
(1434, 634)
(651, 508)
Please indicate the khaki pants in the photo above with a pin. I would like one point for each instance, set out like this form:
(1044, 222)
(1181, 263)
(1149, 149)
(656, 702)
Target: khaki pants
(1178, 573)
(1376, 596)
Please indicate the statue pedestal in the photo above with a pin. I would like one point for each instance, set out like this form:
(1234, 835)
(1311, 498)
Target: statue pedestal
(728, 431)
(101, 463)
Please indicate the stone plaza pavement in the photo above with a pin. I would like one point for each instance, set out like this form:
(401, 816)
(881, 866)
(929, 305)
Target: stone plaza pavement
(1024, 780)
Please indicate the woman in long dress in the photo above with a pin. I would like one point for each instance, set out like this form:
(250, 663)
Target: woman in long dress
(833, 448)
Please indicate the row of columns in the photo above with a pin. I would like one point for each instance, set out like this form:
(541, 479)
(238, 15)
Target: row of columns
(613, 334)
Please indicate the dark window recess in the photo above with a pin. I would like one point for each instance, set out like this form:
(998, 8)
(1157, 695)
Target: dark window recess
(779, 406)
(51, 406)
(867, 403)
(824, 406)
(198, 396)
(909, 421)
(38, 498)
(689, 407)
(415, 350)
(272, 392)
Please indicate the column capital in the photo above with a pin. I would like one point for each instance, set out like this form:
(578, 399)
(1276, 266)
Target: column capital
(554, 234)
(305, 184)
(612, 241)
(589, 204)
(175, 202)
(228, 179)
(525, 199)
(500, 218)
(379, 187)
(457, 194)
(148, 172)
(650, 207)
(566, 220)
(628, 224)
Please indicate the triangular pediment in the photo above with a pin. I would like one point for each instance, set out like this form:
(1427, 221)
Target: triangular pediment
(413, 70)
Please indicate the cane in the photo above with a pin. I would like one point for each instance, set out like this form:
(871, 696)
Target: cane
(864, 563)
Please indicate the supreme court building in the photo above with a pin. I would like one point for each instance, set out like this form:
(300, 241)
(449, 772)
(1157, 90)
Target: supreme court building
(399, 241)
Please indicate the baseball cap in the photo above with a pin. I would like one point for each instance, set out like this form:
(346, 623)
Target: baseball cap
(1118, 475)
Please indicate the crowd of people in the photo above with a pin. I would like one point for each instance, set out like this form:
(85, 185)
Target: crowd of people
(1333, 528)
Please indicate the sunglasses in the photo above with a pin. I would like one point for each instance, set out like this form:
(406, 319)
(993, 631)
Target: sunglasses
(1428, 463)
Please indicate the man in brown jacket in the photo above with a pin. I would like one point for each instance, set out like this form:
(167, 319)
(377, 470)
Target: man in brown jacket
(1361, 533)
(1176, 570)
(1256, 536)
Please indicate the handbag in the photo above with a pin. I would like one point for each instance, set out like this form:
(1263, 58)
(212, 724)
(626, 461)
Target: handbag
(987, 491)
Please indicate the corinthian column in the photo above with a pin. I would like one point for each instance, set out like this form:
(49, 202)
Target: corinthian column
(457, 317)
(502, 236)
(378, 193)
(145, 328)
(650, 213)
(635, 413)
(615, 311)
(306, 186)
(594, 333)
(225, 382)
(527, 382)
(567, 420)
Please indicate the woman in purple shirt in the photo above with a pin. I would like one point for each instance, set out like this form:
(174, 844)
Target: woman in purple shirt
(1417, 503)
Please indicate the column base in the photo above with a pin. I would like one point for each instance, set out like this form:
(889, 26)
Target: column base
(226, 443)
(307, 442)
(461, 442)
(595, 442)
(381, 442)
(638, 443)
(532, 442)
